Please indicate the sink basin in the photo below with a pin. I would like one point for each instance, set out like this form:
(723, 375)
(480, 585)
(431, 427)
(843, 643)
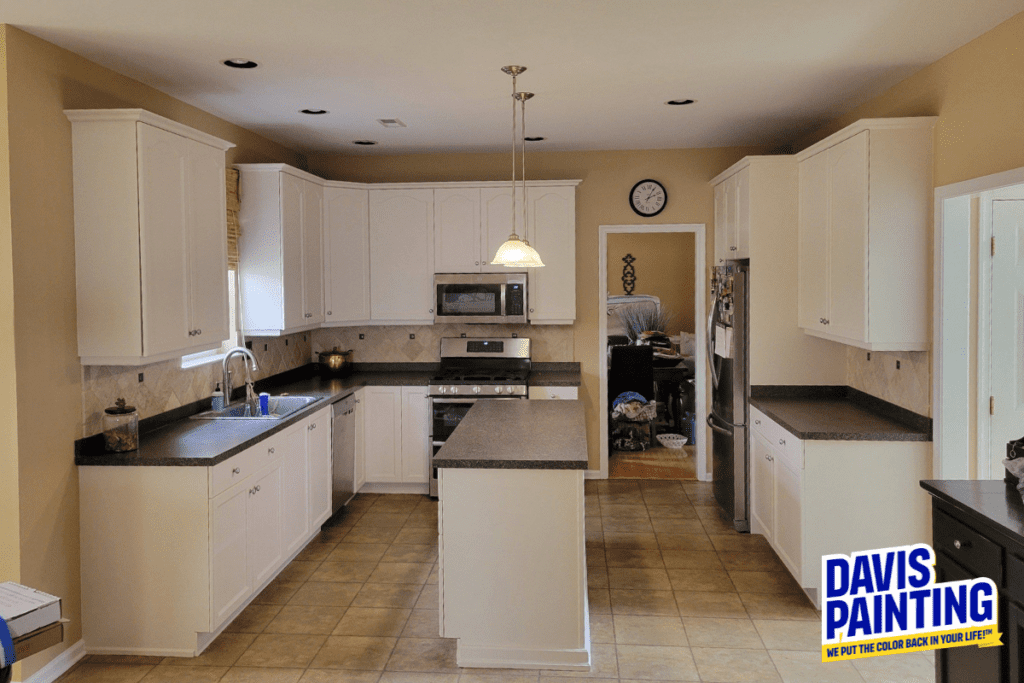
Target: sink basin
(280, 406)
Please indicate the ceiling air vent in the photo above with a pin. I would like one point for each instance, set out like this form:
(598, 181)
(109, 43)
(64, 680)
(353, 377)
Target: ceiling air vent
(391, 123)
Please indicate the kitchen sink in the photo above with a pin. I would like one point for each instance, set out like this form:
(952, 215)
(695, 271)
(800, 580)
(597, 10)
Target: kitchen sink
(280, 406)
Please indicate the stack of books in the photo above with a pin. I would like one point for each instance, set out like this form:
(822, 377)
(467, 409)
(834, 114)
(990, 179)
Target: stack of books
(33, 618)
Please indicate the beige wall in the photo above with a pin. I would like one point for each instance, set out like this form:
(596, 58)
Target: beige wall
(977, 92)
(601, 199)
(42, 80)
(664, 268)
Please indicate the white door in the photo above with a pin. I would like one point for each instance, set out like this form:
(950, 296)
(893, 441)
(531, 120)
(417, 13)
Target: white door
(346, 255)
(382, 419)
(318, 448)
(208, 244)
(457, 230)
(291, 249)
(312, 253)
(294, 488)
(721, 222)
(163, 207)
(1006, 360)
(741, 215)
(229, 568)
(788, 530)
(263, 519)
(402, 255)
(416, 447)
(496, 225)
(552, 232)
(813, 242)
(847, 241)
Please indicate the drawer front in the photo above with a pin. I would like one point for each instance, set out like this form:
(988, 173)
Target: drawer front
(790, 447)
(760, 423)
(226, 474)
(969, 548)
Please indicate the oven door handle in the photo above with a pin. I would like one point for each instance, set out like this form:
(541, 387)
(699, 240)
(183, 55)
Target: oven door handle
(438, 399)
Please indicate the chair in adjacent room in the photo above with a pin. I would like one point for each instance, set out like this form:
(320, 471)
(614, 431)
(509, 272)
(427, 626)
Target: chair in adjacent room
(631, 369)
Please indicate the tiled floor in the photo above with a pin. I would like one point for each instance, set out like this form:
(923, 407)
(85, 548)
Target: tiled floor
(675, 595)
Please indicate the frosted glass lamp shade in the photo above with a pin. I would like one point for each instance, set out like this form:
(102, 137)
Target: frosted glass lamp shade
(517, 253)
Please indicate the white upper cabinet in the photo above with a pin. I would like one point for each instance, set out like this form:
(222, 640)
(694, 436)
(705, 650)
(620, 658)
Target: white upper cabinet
(402, 256)
(864, 233)
(457, 230)
(280, 249)
(732, 217)
(150, 237)
(551, 292)
(346, 255)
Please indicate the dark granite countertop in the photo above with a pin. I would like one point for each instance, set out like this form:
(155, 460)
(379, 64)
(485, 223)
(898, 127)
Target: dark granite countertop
(172, 439)
(997, 502)
(547, 435)
(838, 414)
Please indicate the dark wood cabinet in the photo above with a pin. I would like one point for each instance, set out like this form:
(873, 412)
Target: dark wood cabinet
(978, 531)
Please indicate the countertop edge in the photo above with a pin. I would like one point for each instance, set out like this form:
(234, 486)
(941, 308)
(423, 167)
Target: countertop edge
(929, 485)
(511, 464)
(840, 436)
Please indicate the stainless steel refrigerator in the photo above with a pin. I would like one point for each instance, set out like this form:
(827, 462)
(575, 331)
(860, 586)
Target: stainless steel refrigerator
(728, 354)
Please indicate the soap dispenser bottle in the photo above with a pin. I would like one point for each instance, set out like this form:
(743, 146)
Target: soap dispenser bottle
(217, 400)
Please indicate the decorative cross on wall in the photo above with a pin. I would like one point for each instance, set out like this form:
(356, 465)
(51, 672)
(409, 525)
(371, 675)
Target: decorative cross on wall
(628, 274)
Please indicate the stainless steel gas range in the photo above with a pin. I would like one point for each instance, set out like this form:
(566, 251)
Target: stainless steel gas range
(473, 369)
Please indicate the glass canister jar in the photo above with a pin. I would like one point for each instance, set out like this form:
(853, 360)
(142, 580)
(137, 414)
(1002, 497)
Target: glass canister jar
(121, 427)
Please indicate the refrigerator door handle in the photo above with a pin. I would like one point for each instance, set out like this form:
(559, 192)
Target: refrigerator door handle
(710, 338)
(720, 430)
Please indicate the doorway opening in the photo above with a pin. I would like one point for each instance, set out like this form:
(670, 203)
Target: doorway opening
(978, 361)
(668, 265)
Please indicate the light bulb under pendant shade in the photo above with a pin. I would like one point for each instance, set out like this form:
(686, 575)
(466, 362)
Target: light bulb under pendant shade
(517, 253)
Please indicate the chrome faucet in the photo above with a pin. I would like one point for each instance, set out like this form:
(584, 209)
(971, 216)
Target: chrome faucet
(250, 394)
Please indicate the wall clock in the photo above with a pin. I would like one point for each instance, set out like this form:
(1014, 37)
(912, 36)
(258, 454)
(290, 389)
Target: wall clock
(648, 198)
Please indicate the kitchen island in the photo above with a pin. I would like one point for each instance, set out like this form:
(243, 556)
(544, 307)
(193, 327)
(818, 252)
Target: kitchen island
(512, 573)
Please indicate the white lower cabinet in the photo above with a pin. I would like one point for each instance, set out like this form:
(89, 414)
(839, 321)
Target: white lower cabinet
(552, 393)
(171, 554)
(811, 498)
(396, 448)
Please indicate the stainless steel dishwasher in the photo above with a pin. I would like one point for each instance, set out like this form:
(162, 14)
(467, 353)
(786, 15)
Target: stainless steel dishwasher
(343, 443)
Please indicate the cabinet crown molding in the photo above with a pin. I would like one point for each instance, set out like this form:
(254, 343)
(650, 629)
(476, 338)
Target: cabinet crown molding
(906, 123)
(147, 117)
(426, 185)
(754, 160)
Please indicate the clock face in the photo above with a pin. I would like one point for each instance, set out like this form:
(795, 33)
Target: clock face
(648, 197)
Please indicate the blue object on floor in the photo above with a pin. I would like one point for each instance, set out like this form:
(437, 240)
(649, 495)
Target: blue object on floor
(7, 655)
(627, 396)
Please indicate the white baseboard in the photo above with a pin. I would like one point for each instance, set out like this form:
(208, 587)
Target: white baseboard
(395, 488)
(59, 665)
(471, 656)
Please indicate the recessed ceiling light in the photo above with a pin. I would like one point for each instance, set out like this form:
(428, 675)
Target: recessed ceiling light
(313, 112)
(391, 123)
(534, 139)
(240, 63)
(678, 103)
(364, 142)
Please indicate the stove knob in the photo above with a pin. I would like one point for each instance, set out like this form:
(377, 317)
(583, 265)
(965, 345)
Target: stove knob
(454, 389)
(510, 389)
(442, 390)
(497, 390)
(476, 390)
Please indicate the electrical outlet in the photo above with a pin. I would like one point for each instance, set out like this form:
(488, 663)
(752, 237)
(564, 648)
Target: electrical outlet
(248, 345)
(897, 365)
(869, 355)
(264, 347)
(463, 335)
(412, 335)
(286, 342)
(362, 336)
(141, 377)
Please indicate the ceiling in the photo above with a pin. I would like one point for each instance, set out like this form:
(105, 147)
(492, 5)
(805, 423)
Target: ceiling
(761, 71)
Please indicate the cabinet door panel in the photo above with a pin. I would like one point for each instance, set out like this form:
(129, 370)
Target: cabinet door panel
(263, 518)
(360, 440)
(741, 215)
(208, 244)
(813, 242)
(402, 255)
(383, 434)
(318, 448)
(457, 230)
(552, 230)
(229, 567)
(163, 217)
(847, 247)
(762, 502)
(721, 222)
(312, 253)
(957, 664)
(291, 249)
(496, 225)
(294, 488)
(346, 254)
(416, 448)
(788, 532)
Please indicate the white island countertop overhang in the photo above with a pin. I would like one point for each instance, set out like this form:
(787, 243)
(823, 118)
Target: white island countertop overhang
(512, 544)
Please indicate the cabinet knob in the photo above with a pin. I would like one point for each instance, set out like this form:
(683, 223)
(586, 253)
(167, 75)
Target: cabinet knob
(782, 442)
(270, 451)
(199, 331)
(330, 312)
(826, 321)
(358, 400)
(257, 488)
(431, 310)
(191, 333)
(237, 470)
(478, 263)
(531, 310)
(959, 545)
(732, 248)
(757, 422)
(312, 426)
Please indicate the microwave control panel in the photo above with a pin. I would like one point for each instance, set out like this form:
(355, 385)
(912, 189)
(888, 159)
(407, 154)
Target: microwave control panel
(514, 303)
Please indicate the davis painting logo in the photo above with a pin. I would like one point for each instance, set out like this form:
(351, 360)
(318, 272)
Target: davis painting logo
(886, 601)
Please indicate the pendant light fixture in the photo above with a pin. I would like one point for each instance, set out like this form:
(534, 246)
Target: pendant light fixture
(516, 252)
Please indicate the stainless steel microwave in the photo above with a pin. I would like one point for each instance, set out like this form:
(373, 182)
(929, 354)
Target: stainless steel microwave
(480, 298)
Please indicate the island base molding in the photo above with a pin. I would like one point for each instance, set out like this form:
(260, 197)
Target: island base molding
(471, 656)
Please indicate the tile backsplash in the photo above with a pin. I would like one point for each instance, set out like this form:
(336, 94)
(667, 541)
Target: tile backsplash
(550, 343)
(167, 385)
(908, 387)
